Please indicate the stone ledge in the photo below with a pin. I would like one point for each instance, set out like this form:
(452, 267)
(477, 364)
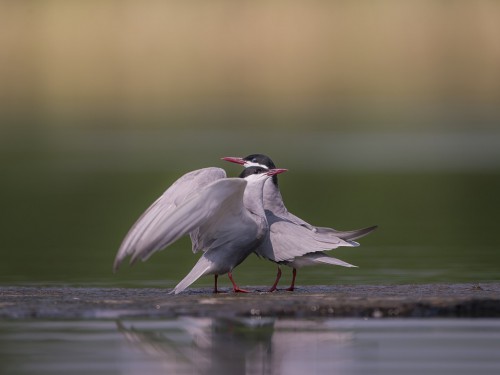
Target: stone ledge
(366, 301)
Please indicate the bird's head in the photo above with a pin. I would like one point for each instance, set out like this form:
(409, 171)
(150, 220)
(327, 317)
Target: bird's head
(261, 161)
(253, 160)
(259, 173)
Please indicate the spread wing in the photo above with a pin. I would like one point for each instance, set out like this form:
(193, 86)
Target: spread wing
(151, 223)
(287, 240)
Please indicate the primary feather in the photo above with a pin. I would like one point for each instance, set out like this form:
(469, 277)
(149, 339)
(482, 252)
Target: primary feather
(150, 221)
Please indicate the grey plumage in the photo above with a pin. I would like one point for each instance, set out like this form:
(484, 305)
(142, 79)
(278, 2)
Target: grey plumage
(286, 241)
(292, 241)
(138, 242)
(224, 217)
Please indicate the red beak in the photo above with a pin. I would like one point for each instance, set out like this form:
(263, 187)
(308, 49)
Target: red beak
(235, 160)
(274, 171)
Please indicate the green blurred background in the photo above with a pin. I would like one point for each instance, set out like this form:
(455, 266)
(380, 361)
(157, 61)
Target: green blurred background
(385, 112)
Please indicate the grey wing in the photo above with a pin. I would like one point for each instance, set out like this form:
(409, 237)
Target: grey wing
(297, 220)
(214, 203)
(320, 257)
(347, 235)
(149, 222)
(287, 240)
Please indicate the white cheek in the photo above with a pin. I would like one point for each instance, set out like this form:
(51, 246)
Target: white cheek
(256, 177)
(249, 164)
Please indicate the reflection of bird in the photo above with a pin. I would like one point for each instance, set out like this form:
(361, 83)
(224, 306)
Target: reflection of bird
(229, 345)
(292, 241)
(224, 216)
(238, 345)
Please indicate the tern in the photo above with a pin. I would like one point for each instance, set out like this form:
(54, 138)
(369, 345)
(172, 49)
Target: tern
(224, 217)
(290, 240)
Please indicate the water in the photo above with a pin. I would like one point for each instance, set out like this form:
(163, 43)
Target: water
(251, 346)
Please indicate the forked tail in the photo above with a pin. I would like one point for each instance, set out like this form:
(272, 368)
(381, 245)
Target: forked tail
(348, 235)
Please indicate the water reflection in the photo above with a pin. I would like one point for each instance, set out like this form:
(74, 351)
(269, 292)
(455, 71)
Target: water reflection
(238, 345)
(251, 346)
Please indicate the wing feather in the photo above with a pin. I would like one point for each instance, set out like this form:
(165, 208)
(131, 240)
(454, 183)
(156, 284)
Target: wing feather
(316, 259)
(149, 222)
(287, 241)
(211, 203)
(348, 235)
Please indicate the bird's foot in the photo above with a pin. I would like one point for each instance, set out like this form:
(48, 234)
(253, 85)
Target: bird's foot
(291, 289)
(239, 290)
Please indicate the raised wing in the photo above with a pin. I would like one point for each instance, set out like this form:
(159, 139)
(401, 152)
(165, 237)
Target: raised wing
(150, 222)
(287, 240)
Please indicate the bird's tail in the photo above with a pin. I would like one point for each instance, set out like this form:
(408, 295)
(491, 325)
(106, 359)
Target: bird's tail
(202, 267)
(333, 261)
(348, 235)
(320, 257)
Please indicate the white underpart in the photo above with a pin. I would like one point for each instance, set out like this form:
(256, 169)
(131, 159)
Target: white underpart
(249, 164)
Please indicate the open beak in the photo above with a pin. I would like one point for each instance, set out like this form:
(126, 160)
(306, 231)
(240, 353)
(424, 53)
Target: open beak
(274, 171)
(235, 160)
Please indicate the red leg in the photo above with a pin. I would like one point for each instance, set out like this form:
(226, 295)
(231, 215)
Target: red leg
(236, 288)
(292, 286)
(278, 276)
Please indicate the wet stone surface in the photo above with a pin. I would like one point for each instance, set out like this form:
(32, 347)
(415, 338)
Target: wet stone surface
(370, 301)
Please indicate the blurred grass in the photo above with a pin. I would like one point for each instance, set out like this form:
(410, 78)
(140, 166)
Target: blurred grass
(304, 65)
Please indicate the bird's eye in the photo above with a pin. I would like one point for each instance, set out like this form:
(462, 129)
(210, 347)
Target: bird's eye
(254, 160)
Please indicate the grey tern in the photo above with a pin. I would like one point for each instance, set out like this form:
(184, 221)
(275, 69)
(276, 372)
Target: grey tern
(224, 217)
(290, 240)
